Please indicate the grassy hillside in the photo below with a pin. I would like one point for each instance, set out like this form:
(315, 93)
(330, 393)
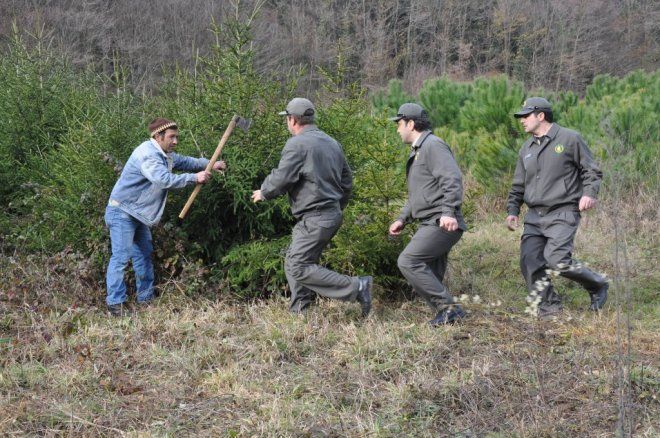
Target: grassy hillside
(189, 366)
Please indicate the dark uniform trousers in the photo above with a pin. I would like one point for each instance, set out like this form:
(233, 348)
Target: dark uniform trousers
(547, 242)
(424, 261)
(306, 277)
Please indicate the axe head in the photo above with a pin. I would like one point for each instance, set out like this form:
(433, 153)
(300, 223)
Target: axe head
(242, 123)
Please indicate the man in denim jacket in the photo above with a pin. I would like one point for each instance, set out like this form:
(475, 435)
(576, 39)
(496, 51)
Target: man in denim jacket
(137, 202)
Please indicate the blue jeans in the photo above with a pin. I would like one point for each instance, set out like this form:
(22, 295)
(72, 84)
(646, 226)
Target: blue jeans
(130, 239)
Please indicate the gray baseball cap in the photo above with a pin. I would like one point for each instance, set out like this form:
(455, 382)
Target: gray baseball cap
(299, 106)
(533, 104)
(410, 111)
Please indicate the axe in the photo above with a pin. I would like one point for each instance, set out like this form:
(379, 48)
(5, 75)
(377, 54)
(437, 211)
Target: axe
(237, 120)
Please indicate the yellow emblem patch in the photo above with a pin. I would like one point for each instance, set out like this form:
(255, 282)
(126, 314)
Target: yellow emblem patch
(559, 148)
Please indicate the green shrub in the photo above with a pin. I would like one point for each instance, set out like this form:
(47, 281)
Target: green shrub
(491, 105)
(602, 85)
(633, 147)
(495, 159)
(585, 119)
(68, 206)
(561, 102)
(392, 98)
(256, 269)
(443, 99)
(618, 118)
(204, 103)
(488, 155)
(65, 136)
(35, 86)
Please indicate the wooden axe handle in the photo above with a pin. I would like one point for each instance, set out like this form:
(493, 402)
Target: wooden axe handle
(209, 166)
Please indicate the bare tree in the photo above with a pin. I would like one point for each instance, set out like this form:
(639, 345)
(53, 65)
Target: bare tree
(557, 44)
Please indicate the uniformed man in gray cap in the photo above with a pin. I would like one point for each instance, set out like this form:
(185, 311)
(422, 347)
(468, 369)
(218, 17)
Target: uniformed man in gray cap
(557, 177)
(314, 173)
(435, 195)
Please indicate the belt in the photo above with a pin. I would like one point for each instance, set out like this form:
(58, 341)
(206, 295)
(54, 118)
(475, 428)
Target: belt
(544, 211)
(317, 211)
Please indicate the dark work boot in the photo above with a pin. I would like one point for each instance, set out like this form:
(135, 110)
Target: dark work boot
(596, 284)
(116, 309)
(364, 293)
(302, 307)
(302, 304)
(448, 315)
(549, 301)
(599, 297)
(550, 296)
(547, 311)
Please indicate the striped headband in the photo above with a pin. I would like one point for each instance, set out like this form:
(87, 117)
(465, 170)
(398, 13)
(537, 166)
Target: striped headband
(163, 128)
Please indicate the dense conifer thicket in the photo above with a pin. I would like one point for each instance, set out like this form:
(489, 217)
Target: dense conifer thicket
(65, 135)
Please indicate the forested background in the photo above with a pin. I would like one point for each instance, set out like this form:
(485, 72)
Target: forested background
(554, 44)
(79, 81)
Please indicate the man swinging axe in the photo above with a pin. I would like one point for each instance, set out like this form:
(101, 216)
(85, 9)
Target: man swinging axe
(137, 202)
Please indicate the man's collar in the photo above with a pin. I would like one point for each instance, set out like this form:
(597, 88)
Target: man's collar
(157, 146)
(306, 128)
(552, 132)
(417, 143)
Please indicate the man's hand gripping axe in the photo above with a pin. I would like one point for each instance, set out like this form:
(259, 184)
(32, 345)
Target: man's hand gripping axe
(237, 120)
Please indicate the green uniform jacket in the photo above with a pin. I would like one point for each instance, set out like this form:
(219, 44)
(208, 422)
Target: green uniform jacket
(313, 171)
(554, 175)
(435, 186)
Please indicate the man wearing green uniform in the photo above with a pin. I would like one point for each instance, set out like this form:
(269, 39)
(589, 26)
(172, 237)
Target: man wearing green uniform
(435, 195)
(557, 177)
(314, 173)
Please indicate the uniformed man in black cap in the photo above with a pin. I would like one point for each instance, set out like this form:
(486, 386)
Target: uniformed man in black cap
(435, 195)
(557, 177)
(314, 173)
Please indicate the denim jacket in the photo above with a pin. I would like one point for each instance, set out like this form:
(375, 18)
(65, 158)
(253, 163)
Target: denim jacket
(141, 189)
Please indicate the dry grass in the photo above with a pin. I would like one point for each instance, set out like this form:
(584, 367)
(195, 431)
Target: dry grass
(200, 367)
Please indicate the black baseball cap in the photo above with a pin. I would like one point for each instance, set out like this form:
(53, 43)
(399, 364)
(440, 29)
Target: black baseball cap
(533, 104)
(410, 111)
